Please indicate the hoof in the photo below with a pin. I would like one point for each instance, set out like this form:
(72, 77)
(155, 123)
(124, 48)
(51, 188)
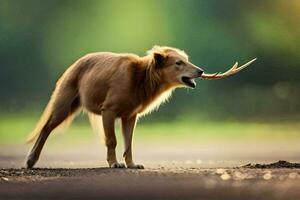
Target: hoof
(117, 165)
(31, 160)
(30, 163)
(134, 166)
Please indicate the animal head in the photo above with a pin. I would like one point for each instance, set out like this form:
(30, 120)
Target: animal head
(174, 67)
(176, 70)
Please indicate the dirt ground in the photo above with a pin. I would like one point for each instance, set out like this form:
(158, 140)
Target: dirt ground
(173, 173)
(152, 183)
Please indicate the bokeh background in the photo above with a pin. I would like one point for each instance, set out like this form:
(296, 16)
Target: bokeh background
(259, 106)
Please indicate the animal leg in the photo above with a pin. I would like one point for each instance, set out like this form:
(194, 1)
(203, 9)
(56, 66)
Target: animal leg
(61, 111)
(128, 126)
(108, 118)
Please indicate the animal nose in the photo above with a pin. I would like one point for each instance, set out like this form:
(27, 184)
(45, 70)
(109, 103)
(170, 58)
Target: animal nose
(200, 72)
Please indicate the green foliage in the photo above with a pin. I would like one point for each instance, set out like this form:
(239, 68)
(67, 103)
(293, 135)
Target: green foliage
(15, 129)
(40, 39)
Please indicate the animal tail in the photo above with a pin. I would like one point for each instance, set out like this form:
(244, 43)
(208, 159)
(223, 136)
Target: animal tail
(61, 99)
(42, 122)
(97, 124)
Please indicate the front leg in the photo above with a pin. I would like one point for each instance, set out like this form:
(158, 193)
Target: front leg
(128, 125)
(108, 118)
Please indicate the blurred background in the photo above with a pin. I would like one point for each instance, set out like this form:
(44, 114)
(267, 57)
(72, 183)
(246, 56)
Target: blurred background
(259, 107)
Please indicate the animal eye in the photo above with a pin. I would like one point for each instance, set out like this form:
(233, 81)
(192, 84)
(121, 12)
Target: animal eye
(179, 62)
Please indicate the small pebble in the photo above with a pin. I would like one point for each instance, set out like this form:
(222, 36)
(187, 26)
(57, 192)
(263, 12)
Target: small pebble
(267, 176)
(239, 176)
(225, 176)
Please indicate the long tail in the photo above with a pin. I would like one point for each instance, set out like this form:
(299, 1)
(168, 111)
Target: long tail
(46, 117)
(97, 124)
(49, 110)
(43, 120)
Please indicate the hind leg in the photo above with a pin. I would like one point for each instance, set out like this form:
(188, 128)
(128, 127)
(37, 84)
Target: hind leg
(37, 148)
(52, 123)
(60, 113)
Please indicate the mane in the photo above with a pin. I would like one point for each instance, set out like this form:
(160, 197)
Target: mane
(147, 82)
(149, 85)
(151, 92)
(166, 50)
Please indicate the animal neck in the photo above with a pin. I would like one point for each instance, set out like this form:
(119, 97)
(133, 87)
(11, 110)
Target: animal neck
(152, 83)
(149, 82)
(151, 90)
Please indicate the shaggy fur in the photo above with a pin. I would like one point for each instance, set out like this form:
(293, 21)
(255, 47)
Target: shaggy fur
(110, 86)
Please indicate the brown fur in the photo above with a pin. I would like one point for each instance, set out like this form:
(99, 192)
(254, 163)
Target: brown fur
(110, 86)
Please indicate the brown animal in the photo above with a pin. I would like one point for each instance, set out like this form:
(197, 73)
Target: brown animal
(110, 86)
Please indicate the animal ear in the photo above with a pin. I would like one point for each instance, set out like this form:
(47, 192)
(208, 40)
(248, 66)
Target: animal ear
(159, 59)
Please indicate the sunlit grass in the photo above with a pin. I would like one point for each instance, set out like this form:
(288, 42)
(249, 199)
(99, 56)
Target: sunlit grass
(14, 130)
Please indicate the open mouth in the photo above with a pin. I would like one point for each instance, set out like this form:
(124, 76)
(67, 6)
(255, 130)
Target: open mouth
(189, 81)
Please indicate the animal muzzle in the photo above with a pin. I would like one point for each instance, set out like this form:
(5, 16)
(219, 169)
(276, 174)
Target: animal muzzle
(189, 80)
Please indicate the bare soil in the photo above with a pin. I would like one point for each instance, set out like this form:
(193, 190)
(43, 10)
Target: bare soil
(279, 164)
(181, 171)
(173, 182)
